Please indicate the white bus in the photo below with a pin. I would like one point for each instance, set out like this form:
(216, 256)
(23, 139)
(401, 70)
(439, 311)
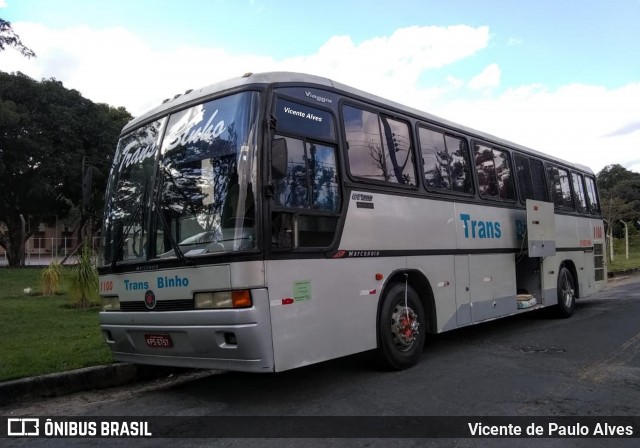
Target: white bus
(278, 220)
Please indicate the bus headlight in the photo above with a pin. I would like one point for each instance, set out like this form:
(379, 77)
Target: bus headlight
(222, 299)
(110, 303)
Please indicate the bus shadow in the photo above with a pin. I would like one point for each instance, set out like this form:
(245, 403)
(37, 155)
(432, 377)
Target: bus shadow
(231, 391)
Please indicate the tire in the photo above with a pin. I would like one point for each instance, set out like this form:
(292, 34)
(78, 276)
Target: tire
(401, 330)
(566, 293)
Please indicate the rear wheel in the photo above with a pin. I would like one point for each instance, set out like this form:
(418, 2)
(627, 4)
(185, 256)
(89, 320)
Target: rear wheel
(566, 293)
(401, 327)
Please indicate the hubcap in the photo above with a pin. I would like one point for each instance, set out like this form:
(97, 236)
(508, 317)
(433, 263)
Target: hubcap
(405, 327)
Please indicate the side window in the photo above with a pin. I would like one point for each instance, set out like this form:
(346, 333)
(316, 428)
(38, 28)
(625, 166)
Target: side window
(446, 161)
(554, 185)
(559, 187)
(538, 180)
(523, 175)
(459, 165)
(494, 172)
(592, 197)
(578, 190)
(434, 154)
(323, 177)
(530, 176)
(379, 147)
(307, 197)
(312, 179)
(293, 190)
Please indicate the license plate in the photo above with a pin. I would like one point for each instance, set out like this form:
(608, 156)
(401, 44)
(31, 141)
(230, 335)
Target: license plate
(158, 340)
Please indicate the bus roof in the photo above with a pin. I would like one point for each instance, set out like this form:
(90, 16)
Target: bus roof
(264, 79)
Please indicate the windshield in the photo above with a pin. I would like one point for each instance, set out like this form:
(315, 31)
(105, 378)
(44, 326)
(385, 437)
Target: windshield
(200, 200)
(128, 191)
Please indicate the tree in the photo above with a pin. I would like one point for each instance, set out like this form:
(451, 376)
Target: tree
(9, 38)
(620, 196)
(611, 175)
(45, 131)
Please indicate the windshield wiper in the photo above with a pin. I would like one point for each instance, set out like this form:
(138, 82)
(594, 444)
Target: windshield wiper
(123, 237)
(167, 231)
(130, 224)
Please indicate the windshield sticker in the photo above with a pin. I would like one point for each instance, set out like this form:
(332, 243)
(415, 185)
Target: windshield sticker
(129, 157)
(302, 290)
(304, 120)
(182, 133)
(298, 113)
(139, 146)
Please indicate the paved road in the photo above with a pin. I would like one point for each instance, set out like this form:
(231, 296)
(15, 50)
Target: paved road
(528, 365)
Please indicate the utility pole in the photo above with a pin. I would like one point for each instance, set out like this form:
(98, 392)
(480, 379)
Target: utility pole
(626, 238)
(22, 241)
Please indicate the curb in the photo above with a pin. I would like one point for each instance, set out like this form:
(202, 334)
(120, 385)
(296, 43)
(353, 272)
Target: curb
(88, 378)
(623, 272)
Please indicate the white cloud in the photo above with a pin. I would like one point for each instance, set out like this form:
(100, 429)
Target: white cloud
(117, 67)
(575, 122)
(3, 4)
(487, 79)
(391, 66)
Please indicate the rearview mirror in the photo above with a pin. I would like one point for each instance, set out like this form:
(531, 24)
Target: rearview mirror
(279, 158)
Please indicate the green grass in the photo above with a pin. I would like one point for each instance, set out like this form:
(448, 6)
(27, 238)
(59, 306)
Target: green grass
(620, 262)
(43, 334)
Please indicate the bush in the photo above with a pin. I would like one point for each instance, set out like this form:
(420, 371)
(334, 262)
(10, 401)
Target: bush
(84, 280)
(50, 278)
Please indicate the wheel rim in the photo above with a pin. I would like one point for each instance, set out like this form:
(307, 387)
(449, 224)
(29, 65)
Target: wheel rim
(567, 290)
(405, 327)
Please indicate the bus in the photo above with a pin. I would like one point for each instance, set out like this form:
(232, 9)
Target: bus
(278, 220)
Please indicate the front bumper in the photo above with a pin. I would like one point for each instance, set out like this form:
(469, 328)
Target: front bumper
(238, 339)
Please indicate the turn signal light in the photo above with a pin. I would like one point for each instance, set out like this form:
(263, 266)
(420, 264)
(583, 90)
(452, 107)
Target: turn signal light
(241, 299)
(223, 299)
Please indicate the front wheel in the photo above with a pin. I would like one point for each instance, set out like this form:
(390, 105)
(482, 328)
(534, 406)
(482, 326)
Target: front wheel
(566, 293)
(401, 327)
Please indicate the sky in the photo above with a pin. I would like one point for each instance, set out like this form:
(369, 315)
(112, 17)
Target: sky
(559, 76)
